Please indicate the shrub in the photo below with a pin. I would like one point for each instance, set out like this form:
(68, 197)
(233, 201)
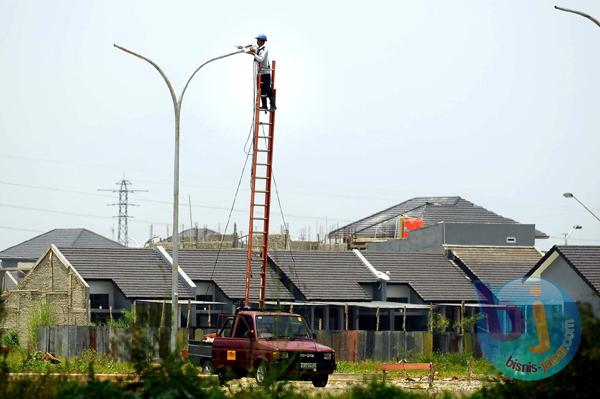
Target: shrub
(10, 339)
(41, 315)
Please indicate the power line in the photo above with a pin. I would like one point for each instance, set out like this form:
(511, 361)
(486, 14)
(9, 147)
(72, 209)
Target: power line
(88, 215)
(148, 200)
(20, 229)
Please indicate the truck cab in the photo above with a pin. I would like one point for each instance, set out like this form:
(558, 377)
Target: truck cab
(267, 345)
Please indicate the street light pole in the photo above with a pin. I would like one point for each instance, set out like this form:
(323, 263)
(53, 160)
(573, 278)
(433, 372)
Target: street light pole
(175, 238)
(576, 227)
(570, 195)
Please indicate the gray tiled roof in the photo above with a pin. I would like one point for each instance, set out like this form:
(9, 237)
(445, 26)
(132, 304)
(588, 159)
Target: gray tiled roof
(433, 210)
(229, 273)
(325, 275)
(72, 238)
(496, 265)
(585, 259)
(433, 277)
(138, 272)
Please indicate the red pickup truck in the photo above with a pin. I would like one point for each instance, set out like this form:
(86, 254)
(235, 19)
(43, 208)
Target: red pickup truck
(266, 345)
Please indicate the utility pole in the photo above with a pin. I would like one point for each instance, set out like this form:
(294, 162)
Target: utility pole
(177, 109)
(123, 204)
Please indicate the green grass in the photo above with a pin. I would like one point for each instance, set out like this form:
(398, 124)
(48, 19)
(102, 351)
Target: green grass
(19, 361)
(446, 365)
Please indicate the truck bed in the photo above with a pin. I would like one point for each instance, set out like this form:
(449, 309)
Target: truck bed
(200, 351)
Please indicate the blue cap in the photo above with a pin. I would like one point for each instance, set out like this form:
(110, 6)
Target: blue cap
(262, 37)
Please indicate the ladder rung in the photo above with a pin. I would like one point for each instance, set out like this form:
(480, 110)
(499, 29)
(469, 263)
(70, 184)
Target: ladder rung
(264, 123)
(260, 177)
(263, 164)
(259, 150)
(259, 204)
(262, 191)
(258, 232)
(255, 218)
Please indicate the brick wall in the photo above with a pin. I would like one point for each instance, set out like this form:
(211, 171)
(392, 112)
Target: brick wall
(49, 282)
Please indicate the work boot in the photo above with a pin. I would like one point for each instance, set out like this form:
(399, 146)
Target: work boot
(272, 101)
(263, 104)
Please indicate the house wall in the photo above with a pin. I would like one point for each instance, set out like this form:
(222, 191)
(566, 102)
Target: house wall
(53, 283)
(395, 290)
(430, 239)
(488, 234)
(116, 299)
(563, 275)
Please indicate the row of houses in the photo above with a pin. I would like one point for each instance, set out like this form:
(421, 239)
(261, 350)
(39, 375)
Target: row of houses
(385, 283)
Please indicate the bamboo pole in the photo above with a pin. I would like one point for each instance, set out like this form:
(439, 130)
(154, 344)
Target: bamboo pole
(110, 312)
(209, 316)
(189, 312)
(162, 314)
(346, 315)
(462, 317)
(404, 320)
(377, 319)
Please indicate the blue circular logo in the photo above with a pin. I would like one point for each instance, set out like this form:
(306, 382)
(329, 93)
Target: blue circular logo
(529, 330)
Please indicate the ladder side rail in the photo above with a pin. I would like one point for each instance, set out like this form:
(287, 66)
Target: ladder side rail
(250, 245)
(267, 210)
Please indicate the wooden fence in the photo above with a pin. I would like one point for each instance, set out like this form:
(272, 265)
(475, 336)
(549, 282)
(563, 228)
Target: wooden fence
(353, 345)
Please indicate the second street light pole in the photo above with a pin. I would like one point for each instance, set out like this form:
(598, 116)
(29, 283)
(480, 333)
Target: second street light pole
(175, 238)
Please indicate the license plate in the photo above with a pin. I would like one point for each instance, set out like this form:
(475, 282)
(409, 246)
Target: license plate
(308, 366)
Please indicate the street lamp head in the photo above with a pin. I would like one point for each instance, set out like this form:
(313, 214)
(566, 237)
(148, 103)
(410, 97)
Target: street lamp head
(568, 195)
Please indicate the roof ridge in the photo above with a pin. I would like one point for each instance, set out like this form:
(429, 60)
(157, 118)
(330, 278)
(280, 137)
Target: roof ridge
(26, 241)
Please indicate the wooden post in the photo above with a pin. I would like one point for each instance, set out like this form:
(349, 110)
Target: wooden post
(462, 317)
(431, 317)
(189, 313)
(162, 315)
(209, 316)
(89, 309)
(346, 315)
(377, 319)
(469, 371)
(110, 312)
(292, 308)
(431, 374)
(404, 320)
(134, 312)
(320, 323)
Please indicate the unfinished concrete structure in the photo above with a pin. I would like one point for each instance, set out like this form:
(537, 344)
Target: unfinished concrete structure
(52, 284)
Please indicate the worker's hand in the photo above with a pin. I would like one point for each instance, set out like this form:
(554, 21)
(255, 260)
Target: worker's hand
(252, 50)
(239, 47)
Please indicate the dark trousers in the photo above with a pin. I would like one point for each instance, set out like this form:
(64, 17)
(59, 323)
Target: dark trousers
(266, 89)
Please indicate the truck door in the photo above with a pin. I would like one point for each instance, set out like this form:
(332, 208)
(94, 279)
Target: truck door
(220, 344)
(232, 348)
(243, 341)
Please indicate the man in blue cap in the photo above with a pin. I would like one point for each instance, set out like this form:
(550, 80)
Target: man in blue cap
(261, 58)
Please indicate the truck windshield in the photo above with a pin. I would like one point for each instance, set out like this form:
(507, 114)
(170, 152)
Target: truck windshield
(284, 326)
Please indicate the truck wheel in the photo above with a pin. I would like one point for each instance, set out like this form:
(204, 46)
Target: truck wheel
(320, 381)
(222, 374)
(260, 374)
(208, 367)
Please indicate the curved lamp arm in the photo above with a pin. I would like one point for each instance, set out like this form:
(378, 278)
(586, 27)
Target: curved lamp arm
(200, 67)
(173, 96)
(594, 20)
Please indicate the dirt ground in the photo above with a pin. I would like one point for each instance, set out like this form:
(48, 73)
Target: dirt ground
(343, 382)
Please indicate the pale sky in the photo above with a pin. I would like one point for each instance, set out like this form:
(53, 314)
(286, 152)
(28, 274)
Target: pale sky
(379, 102)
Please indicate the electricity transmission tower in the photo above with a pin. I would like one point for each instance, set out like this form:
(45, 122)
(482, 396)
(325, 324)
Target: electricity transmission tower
(124, 191)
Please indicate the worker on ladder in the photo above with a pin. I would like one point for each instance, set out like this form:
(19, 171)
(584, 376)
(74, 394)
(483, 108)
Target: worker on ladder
(263, 68)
